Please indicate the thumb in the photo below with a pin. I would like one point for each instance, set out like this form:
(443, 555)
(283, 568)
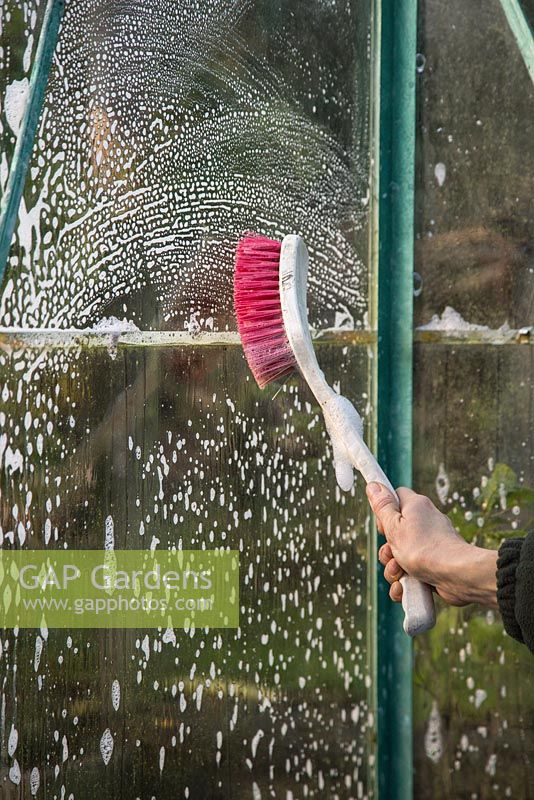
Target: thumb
(385, 506)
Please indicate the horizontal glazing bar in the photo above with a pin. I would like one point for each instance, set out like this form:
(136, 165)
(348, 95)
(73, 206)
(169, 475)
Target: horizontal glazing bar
(47, 337)
(75, 337)
(496, 337)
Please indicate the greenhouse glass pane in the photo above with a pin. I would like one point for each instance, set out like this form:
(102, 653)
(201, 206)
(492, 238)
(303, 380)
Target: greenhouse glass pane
(474, 390)
(473, 685)
(168, 130)
(177, 447)
(20, 23)
(475, 163)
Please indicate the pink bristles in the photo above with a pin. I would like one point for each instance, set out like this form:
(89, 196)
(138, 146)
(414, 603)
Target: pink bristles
(258, 309)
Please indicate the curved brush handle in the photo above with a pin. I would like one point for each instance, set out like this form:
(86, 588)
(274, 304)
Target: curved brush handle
(417, 600)
(342, 420)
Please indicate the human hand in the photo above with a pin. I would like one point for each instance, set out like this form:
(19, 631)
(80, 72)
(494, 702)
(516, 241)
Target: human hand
(422, 542)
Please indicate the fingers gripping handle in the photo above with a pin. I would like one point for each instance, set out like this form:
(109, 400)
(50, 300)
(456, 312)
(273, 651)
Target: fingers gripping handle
(417, 600)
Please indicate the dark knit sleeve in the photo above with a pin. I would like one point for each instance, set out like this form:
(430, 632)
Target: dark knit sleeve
(507, 562)
(515, 588)
(524, 592)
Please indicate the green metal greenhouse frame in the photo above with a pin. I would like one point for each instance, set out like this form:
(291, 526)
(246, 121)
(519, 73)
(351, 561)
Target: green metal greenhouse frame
(392, 252)
(396, 36)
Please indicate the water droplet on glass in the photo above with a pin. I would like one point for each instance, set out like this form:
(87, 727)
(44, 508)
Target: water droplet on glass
(420, 61)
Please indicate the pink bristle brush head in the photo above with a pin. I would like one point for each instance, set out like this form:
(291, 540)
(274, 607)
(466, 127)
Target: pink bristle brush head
(259, 311)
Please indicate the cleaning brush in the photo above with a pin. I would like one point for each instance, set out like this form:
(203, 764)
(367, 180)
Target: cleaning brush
(258, 310)
(270, 284)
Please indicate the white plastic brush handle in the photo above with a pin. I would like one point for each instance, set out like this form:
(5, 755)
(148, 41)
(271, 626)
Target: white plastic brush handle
(342, 419)
(417, 600)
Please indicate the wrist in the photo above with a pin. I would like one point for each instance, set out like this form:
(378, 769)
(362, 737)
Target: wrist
(477, 575)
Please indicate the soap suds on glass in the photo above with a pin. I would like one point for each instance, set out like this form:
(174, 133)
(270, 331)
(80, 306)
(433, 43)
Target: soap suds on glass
(148, 168)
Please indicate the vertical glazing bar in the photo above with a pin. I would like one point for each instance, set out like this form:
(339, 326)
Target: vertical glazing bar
(372, 387)
(23, 147)
(395, 315)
